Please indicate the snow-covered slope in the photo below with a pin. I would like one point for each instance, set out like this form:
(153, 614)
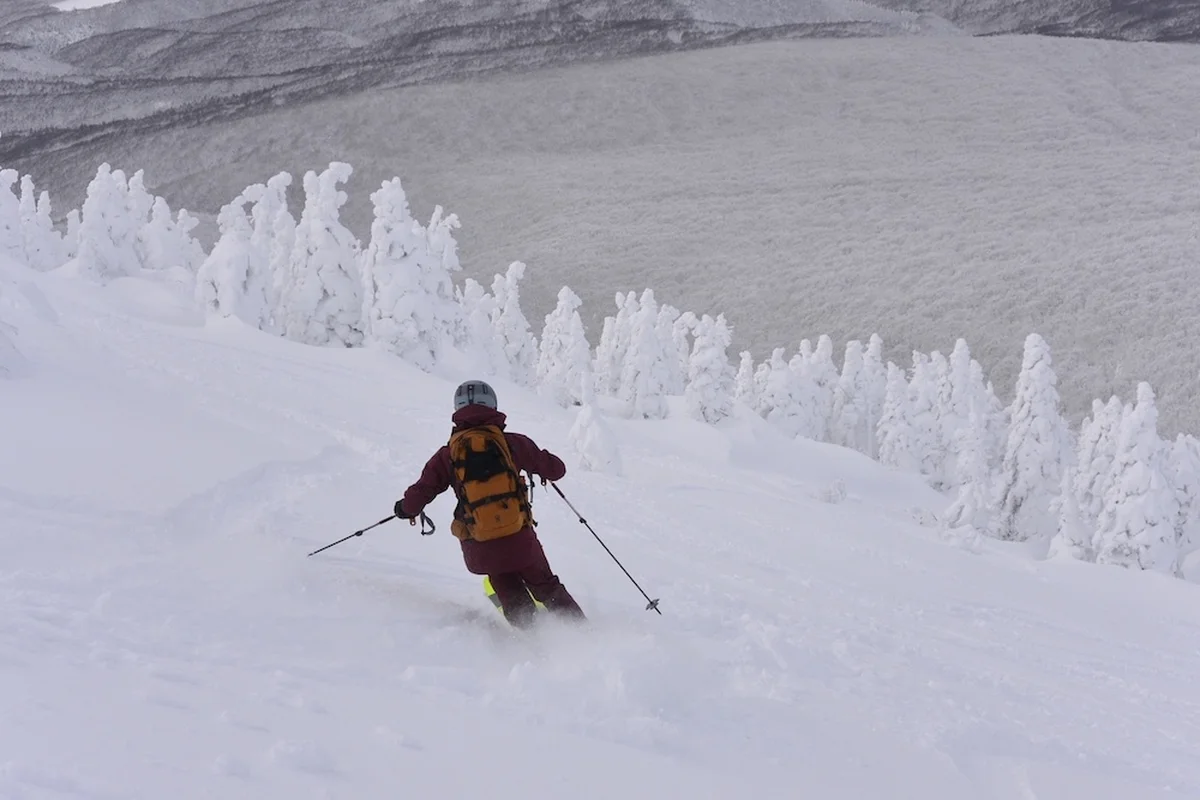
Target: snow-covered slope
(162, 633)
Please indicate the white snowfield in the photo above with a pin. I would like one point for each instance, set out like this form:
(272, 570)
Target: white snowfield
(79, 5)
(163, 634)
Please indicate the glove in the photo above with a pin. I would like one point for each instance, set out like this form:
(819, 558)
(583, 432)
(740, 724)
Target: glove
(399, 510)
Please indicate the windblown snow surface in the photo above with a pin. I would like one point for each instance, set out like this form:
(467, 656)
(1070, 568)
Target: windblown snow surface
(163, 634)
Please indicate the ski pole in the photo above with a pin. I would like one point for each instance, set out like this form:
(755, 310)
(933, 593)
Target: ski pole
(651, 604)
(424, 521)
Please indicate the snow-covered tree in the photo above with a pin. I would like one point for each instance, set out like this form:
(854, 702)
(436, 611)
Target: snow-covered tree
(614, 341)
(592, 439)
(875, 379)
(224, 279)
(895, 432)
(677, 366)
(926, 443)
(408, 294)
(746, 389)
(272, 241)
(44, 246)
(321, 301)
(787, 395)
(165, 241)
(824, 375)
(1138, 526)
(1036, 450)
(811, 400)
(645, 374)
(512, 329)
(564, 360)
(996, 416)
(710, 383)
(1073, 538)
(1097, 449)
(948, 422)
(108, 228)
(680, 333)
(478, 336)
(137, 199)
(851, 417)
(969, 516)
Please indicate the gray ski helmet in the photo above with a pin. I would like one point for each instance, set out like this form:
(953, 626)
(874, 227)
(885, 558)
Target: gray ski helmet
(474, 393)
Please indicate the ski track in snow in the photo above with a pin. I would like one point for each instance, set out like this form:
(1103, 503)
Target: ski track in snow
(179, 643)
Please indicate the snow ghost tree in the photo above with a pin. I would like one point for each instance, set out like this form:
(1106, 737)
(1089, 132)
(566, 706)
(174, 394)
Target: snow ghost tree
(895, 432)
(1073, 538)
(107, 228)
(614, 342)
(875, 379)
(746, 390)
(1097, 448)
(809, 397)
(165, 242)
(851, 417)
(710, 385)
(564, 360)
(592, 439)
(970, 513)
(1138, 525)
(824, 375)
(225, 280)
(995, 416)
(680, 333)
(788, 395)
(512, 329)
(44, 247)
(1036, 450)
(137, 199)
(321, 301)
(273, 240)
(926, 436)
(477, 309)
(946, 425)
(668, 315)
(408, 294)
(645, 374)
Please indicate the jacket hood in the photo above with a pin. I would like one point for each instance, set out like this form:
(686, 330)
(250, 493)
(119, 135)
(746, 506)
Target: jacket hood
(475, 415)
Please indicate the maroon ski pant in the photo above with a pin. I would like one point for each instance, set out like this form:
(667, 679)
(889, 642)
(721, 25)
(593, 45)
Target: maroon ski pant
(513, 590)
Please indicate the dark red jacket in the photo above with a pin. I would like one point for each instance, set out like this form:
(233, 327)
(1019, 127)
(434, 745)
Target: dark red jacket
(511, 553)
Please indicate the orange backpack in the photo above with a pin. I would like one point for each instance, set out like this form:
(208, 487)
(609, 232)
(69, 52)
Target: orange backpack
(493, 500)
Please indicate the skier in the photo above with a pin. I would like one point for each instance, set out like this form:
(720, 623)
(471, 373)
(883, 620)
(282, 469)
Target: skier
(493, 521)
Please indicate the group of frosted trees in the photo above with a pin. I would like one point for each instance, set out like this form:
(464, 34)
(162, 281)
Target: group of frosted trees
(121, 228)
(1113, 493)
